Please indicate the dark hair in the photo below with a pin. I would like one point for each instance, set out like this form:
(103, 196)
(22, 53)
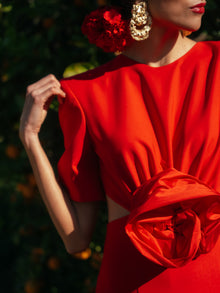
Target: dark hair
(126, 6)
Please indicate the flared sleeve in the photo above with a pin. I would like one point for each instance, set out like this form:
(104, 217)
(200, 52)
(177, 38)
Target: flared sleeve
(78, 167)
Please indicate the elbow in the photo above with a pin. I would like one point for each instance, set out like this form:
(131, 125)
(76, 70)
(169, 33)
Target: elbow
(73, 250)
(76, 246)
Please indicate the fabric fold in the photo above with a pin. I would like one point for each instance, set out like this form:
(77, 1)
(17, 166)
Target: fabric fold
(174, 218)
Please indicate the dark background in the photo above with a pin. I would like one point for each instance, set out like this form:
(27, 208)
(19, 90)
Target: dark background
(38, 37)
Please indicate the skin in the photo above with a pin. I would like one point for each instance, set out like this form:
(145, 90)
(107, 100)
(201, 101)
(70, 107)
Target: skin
(166, 43)
(75, 221)
(175, 14)
(73, 227)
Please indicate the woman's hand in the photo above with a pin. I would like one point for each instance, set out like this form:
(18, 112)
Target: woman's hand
(39, 95)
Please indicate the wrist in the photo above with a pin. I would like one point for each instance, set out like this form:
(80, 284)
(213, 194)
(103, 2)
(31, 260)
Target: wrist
(29, 138)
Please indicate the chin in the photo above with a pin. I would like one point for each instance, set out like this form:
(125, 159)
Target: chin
(191, 28)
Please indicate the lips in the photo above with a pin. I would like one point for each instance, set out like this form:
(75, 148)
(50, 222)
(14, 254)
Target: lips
(199, 8)
(203, 4)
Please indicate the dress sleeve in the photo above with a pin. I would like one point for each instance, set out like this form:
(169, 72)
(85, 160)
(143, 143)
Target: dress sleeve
(78, 167)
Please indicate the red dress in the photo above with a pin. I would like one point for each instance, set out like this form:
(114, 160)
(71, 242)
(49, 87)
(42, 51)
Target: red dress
(150, 139)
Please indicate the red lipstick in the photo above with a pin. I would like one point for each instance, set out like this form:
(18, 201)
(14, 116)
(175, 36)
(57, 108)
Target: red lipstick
(199, 8)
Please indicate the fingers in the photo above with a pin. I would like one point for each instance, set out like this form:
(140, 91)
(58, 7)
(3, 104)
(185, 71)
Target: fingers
(45, 80)
(45, 89)
(45, 92)
(38, 98)
(48, 95)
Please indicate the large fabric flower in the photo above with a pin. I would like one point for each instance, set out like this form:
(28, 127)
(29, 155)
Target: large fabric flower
(106, 28)
(175, 217)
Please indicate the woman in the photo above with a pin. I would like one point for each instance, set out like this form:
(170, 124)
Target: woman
(143, 129)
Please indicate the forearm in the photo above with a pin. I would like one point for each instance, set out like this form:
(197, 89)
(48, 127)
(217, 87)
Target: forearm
(74, 223)
(59, 206)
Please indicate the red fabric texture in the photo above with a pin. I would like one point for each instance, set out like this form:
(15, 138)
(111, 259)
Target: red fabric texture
(78, 167)
(125, 270)
(175, 217)
(150, 139)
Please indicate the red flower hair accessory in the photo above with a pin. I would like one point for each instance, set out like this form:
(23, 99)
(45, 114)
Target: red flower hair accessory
(106, 28)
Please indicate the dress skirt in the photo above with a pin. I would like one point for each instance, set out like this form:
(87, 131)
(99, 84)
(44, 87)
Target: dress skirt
(124, 269)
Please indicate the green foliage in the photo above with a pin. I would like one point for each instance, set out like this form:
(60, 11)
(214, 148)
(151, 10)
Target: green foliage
(211, 20)
(38, 37)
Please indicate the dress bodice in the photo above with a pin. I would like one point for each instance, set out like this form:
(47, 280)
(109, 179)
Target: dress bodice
(141, 120)
(150, 139)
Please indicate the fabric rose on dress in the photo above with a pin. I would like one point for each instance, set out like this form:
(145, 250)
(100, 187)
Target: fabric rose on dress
(209, 214)
(106, 29)
(175, 217)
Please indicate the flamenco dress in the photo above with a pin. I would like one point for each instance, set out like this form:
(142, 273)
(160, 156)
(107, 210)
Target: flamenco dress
(149, 138)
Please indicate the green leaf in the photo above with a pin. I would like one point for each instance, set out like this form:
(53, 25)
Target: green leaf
(77, 68)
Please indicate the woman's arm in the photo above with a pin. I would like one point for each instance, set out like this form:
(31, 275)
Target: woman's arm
(73, 221)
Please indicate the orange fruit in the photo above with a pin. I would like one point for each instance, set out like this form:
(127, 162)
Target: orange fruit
(37, 254)
(25, 190)
(4, 78)
(85, 254)
(31, 179)
(53, 263)
(12, 151)
(32, 286)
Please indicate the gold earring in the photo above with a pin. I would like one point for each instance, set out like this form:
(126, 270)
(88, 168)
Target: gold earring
(141, 21)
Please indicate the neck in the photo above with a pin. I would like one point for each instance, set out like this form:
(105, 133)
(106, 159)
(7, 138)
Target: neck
(161, 48)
